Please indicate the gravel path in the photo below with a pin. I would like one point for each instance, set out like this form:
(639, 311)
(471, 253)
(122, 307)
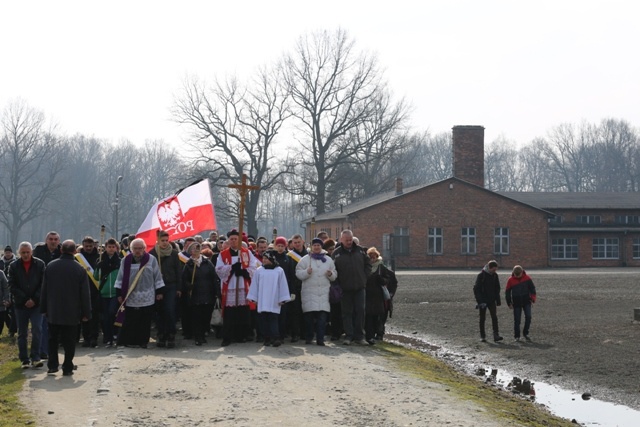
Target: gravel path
(243, 385)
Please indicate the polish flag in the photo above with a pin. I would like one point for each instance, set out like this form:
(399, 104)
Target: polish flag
(184, 214)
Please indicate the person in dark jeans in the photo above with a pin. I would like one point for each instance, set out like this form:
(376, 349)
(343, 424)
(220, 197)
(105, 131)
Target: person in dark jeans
(520, 293)
(65, 302)
(487, 293)
(25, 282)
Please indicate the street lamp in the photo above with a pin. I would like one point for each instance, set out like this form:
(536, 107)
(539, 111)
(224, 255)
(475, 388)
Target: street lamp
(117, 204)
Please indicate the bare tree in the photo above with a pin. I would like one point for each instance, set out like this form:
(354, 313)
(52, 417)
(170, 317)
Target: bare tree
(234, 130)
(614, 146)
(501, 166)
(333, 90)
(378, 140)
(533, 168)
(30, 166)
(567, 152)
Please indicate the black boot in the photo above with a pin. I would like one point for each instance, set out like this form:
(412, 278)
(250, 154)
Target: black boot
(171, 342)
(497, 337)
(162, 341)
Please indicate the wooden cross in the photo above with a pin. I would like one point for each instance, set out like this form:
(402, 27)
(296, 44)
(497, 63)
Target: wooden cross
(243, 189)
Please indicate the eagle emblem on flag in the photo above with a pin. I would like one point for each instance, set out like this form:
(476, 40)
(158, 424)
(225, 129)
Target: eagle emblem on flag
(169, 213)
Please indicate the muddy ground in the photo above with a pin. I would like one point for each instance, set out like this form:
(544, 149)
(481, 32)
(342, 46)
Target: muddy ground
(584, 337)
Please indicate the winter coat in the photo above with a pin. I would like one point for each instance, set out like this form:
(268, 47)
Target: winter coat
(202, 286)
(353, 266)
(170, 266)
(520, 291)
(4, 291)
(65, 297)
(315, 286)
(295, 284)
(26, 286)
(487, 287)
(381, 276)
(42, 252)
(4, 264)
(288, 265)
(106, 274)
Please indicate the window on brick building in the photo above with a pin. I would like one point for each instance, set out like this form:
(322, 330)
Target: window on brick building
(501, 241)
(401, 241)
(556, 220)
(564, 248)
(636, 248)
(628, 219)
(468, 240)
(605, 248)
(435, 241)
(588, 219)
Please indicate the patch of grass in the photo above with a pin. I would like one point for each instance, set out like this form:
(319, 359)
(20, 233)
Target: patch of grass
(12, 413)
(496, 401)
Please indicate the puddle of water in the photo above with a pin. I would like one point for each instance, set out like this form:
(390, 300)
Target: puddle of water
(563, 403)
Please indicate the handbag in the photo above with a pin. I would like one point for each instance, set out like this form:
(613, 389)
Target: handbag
(216, 316)
(385, 293)
(335, 293)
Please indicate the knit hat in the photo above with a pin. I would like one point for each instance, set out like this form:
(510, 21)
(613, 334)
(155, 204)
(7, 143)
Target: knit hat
(233, 232)
(281, 241)
(8, 249)
(271, 256)
(316, 241)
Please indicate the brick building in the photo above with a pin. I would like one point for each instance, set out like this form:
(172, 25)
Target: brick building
(457, 223)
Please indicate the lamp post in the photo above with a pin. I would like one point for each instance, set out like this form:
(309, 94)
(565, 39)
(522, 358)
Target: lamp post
(117, 204)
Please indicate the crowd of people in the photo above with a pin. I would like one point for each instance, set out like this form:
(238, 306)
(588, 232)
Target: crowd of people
(269, 292)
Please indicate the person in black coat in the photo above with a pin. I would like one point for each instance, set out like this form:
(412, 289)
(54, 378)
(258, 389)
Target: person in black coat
(487, 293)
(25, 282)
(65, 301)
(199, 281)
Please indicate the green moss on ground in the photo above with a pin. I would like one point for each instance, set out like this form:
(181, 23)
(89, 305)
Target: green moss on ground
(498, 402)
(12, 412)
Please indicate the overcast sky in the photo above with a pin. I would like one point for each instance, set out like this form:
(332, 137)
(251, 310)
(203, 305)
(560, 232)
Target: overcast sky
(112, 69)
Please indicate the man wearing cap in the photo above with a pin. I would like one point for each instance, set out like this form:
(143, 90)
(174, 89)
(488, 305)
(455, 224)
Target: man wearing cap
(235, 266)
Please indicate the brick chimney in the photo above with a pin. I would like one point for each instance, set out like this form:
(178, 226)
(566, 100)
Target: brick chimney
(398, 186)
(468, 154)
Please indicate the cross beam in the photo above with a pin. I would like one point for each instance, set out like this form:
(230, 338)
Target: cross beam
(243, 188)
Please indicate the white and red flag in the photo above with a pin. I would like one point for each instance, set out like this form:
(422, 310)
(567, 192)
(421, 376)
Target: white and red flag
(184, 214)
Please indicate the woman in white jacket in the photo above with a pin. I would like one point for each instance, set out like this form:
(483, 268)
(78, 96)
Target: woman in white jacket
(316, 270)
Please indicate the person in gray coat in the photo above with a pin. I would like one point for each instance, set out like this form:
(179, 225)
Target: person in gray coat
(65, 301)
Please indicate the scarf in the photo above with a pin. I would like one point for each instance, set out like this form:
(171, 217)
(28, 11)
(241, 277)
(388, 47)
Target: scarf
(376, 264)
(197, 261)
(107, 265)
(164, 252)
(319, 256)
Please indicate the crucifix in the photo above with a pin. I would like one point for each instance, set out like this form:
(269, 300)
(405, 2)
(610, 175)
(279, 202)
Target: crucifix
(243, 189)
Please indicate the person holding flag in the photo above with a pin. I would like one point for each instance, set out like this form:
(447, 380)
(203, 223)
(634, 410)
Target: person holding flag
(138, 286)
(235, 267)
